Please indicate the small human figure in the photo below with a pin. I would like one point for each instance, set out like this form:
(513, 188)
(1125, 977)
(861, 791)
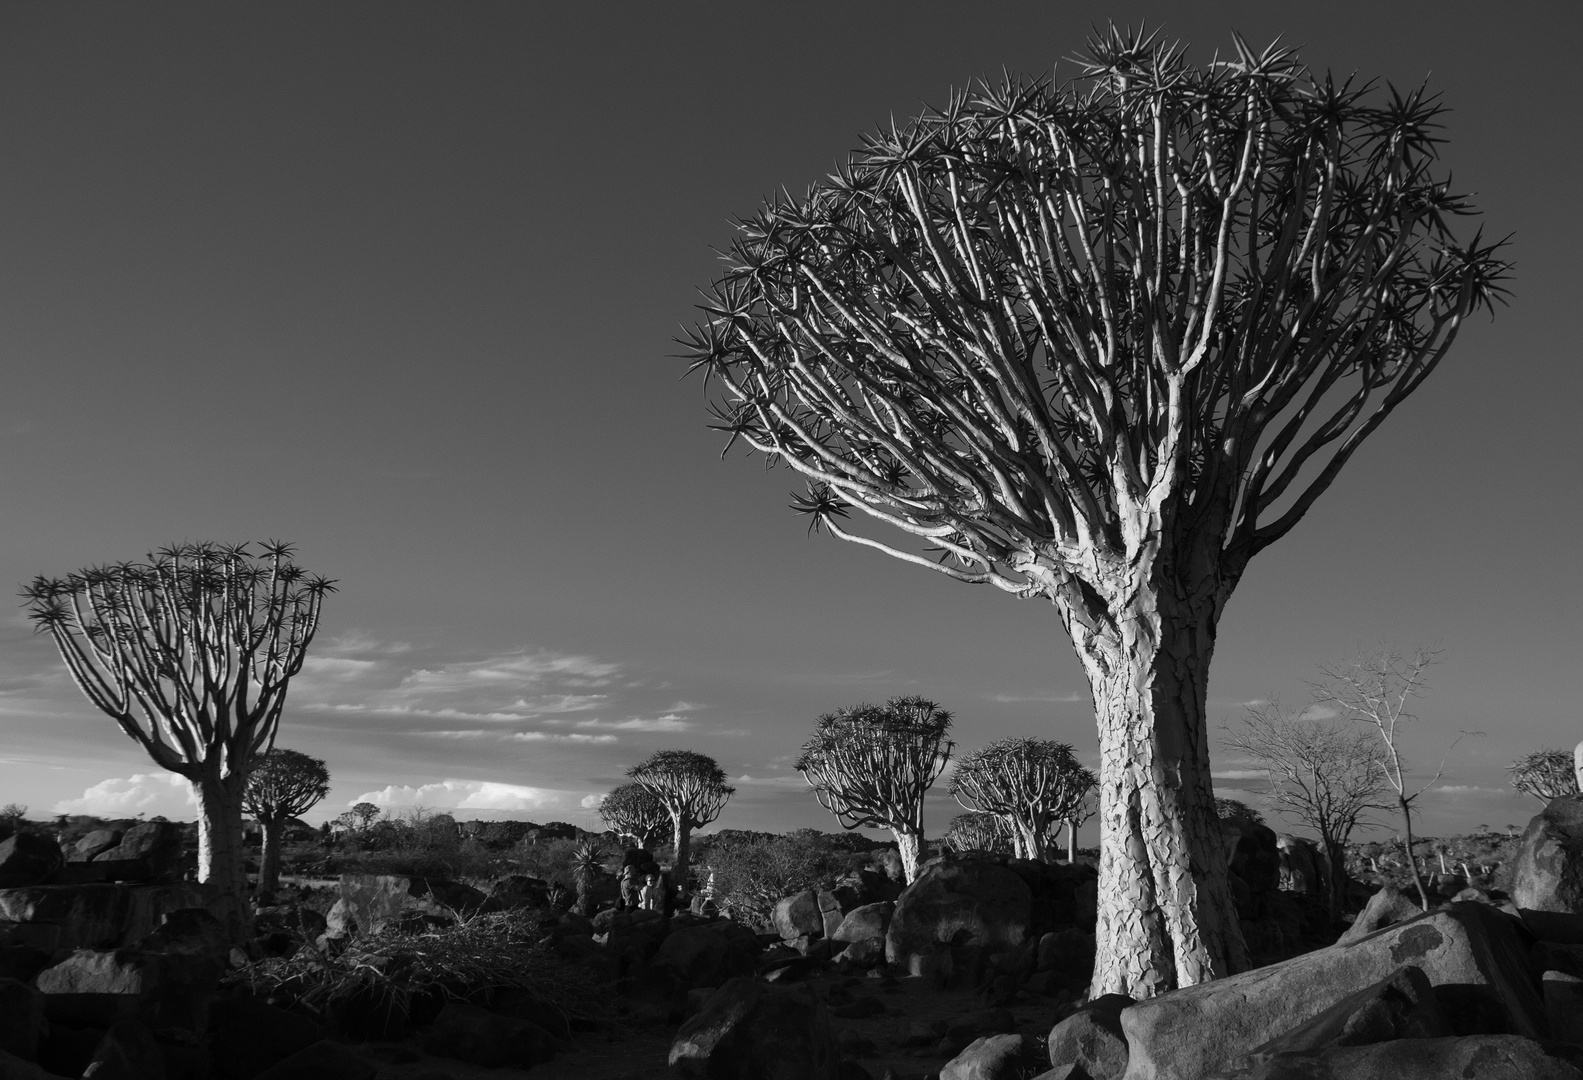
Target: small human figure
(629, 888)
(651, 897)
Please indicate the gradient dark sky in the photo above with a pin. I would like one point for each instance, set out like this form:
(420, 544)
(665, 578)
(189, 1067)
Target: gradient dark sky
(399, 282)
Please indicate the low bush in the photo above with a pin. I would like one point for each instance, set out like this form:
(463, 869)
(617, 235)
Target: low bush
(751, 871)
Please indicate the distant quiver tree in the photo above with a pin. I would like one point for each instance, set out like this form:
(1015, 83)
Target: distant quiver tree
(974, 831)
(282, 785)
(632, 810)
(872, 765)
(1101, 342)
(692, 787)
(191, 653)
(1546, 774)
(1031, 784)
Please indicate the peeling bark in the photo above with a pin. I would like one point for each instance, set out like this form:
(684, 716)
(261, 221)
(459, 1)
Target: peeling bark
(222, 865)
(908, 845)
(269, 857)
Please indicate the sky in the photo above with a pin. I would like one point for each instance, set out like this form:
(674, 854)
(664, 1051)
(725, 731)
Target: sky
(400, 283)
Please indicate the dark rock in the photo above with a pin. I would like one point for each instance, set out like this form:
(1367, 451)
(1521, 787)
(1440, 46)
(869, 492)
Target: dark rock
(1548, 873)
(868, 887)
(994, 1057)
(1069, 954)
(487, 1039)
(1385, 908)
(1564, 1006)
(1475, 1010)
(1479, 1057)
(517, 891)
(190, 931)
(370, 902)
(324, 1060)
(170, 990)
(959, 901)
(28, 859)
(156, 843)
(799, 915)
(1092, 1038)
(247, 1036)
(526, 1005)
(21, 1019)
(1303, 869)
(1189, 1033)
(750, 1028)
(66, 1051)
(101, 916)
(14, 1068)
(851, 1070)
(1254, 858)
(22, 962)
(697, 955)
(94, 843)
(127, 1052)
(1401, 1006)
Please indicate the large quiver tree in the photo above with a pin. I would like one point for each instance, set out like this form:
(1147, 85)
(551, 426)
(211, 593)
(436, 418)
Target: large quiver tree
(191, 653)
(872, 765)
(633, 810)
(1102, 342)
(1030, 784)
(282, 785)
(692, 787)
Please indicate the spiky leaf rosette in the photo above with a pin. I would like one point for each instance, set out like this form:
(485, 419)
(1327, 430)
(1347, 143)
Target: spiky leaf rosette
(690, 785)
(632, 810)
(1546, 774)
(1031, 782)
(978, 832)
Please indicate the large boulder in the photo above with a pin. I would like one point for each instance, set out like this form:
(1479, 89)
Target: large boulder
(21, 1019)
(1302, 868)
(1385, 908)
(99, 916)
(247, 1036)
(28, 859)
(959, 901)
(324, 1060)
(92, 844)
(157, 844)
(994, 1057)
(1092, 1039)
(751, 1028)
(799, 915)
(1548, 873)
(127, 1052)
(370, 902)
(168, 990)
(1401, 1006)
(1189, 1033)
(487, 1039)
(696, 955)
(866, 923)
(1476, 1057)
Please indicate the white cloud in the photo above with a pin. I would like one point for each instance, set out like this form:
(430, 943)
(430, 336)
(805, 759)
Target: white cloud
(545, 736)
(795, 780)
(1468, 789)
(592, 802)
(1239, 774)
(659, 723)
(466, 795)
(1045, 698)
(153, 794)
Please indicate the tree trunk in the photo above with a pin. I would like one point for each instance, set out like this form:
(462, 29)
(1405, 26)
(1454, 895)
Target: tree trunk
(269, 857)
(1412, 861)
(684, 835)
(222, 863)
(1071, 841)
(1166, 917)
(1336, 871)
(1033, 838)
(908, 846)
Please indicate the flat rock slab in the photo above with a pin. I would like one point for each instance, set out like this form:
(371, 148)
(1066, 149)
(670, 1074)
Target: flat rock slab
(1191, 1033)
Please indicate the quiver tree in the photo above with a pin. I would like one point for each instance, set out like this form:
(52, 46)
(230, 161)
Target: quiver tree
(1101, 342)
(692, 787)
(872, 765)
(1325, 773)
(1031, 784)
(191, 653)
(632, 810)
(1546, 774)
(282, 785)
(974, 831)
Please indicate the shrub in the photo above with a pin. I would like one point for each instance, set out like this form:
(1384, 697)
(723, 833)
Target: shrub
(753, 870)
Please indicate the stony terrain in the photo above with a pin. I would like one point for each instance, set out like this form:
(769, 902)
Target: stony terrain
(978, 970)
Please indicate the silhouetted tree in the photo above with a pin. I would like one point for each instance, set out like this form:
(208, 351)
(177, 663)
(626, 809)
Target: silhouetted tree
(283, 784)
(1326, 774)
(191, 653)
(693, 789)
(976, 831)
(1030, 783)
(871, 765)
(632, 810)
(1101, 343)
(1546, 774)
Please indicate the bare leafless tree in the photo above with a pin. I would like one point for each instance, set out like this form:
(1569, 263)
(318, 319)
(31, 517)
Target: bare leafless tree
(1547, 774)
(634, 811)
(191, 653)
(692, 787)
(871, 765)
(1375, 690)
(282, 785)
(1030, 783)
(1101, 343)
(1325, 773)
